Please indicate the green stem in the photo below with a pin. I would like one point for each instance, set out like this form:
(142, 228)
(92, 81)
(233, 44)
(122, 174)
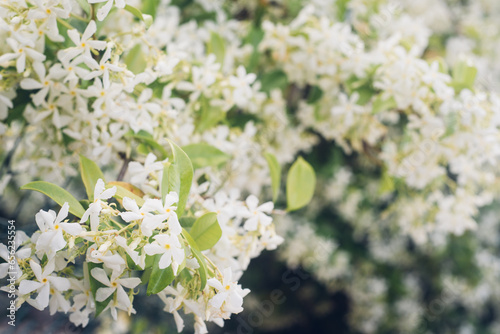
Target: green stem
(66, 24)
(78, 17)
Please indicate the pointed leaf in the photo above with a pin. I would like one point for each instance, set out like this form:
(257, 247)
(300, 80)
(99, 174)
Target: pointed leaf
(90, 174)
(206, 231)
(199, 257)
(160, 278)
(58, 194)
(300, 184)
(275, 172)
(203, 155)
(184, 169)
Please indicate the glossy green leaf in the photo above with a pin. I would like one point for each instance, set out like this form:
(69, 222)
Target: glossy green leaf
(275, 172)
(90, 174)
(203, 155)
(300, 184)
(184, 169)
(58, 194)
(170, 180)
(160, 278)
(206, 231)
(199, 257)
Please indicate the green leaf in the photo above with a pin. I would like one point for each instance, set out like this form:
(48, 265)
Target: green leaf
(135, 59)
(274, 79)
(147, 139)
(85, 6)
(58, 194)
(90, 174)
(150, 7)
(184, 169)
(164, 188)
(206, 231)
(146, 275)
(217, 46)
(131, 264)
(300, 184)
(147, 19)
(203, 155)
(275, 172)
(199, 257)
(122, 192)
(160, 278)
(94, 286)
(187, 222)
(209, 115)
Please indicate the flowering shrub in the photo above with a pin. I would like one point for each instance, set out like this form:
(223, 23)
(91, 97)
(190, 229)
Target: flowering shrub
(193, 107)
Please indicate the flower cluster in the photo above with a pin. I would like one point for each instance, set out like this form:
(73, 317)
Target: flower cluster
(392, 103)
(154, 244)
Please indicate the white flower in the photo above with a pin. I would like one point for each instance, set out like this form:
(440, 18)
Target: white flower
(21, 52)
(139, 172)
(95, 207)
(170, 247)
(22, 253)
(46, 285)
(83, 43)
(165, 212)
(173, 304)
(241, 83)
(257, 214)
(102, 68)
(52, 240)
(201, 80)
(229, 297)
(111, 260)
(114, 285)
(49, 11)
(130, 249)
(104, 10)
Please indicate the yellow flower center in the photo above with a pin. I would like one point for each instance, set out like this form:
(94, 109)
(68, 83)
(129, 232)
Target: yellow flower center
(56, 227)
(44, 280)
(167, 246)
(114, 285)
(227, 287)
